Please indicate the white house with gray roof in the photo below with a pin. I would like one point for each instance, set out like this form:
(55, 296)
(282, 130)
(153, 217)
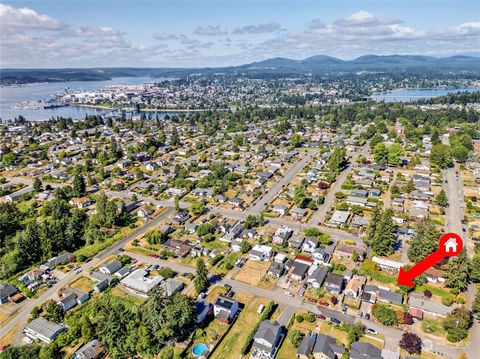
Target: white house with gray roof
(43, 330)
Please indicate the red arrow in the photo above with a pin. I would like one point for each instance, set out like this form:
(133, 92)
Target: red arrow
(407, 277)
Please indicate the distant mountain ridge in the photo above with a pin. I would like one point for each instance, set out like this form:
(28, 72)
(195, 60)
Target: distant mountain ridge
(277, 67)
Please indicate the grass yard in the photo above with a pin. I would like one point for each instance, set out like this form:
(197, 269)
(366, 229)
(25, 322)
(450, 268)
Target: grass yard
(231, 345)
(268, 282)
(252, 272)
(207, 336)
(215, 292)
(440, 292)
(379, 343)
(328, 329)
(84, 284)
(433, 326)
(119, 292)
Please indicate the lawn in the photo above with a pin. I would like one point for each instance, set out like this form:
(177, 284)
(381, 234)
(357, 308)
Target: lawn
(84, 284)
(209, 335)
(329, 329)
(231, 345)
(433, 326)
(215, 292)
(118, 292)
(370, 339)
(252, 272)
(440, 292)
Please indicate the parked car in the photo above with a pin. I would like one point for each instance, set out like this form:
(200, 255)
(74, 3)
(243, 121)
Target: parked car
(121, 250)
(231, 294)
(227, 287)
(320, 316)
(335, 320)
(290, 294)
(372, 331)
(322, 302)
(344, 310)
(153, 255)
(360, 314)
(367, 316)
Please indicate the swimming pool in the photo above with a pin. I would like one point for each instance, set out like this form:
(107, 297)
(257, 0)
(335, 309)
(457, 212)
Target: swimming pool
(199, 349)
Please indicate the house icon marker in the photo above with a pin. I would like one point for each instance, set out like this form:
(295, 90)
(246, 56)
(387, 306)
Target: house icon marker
(451, 245)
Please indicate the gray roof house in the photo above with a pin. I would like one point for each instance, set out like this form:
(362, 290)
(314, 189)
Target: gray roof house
(334, 283)
(364, 351)
(91, 350)
(326, 347)
(6, 292)
(111, 267)
(306, 346)
(267, 339)
(171, 286)
(276, 269)
(44, 330)
(53, 262)
(318, 277)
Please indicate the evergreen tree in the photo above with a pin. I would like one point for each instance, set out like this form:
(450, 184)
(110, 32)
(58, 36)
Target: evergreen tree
(78, 185)
(37, 184)
(441, 199)
(201, 277)
(456, 273)
(475, 268)
(385, 238)
(424, 243)
(373, 225)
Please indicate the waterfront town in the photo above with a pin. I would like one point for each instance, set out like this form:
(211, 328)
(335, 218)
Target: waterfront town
(264, 232)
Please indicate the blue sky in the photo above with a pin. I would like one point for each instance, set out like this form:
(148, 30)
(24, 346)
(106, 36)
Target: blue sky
(218, 33)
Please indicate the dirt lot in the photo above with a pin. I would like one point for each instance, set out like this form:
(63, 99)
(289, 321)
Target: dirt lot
(84, 284)
(252, 272)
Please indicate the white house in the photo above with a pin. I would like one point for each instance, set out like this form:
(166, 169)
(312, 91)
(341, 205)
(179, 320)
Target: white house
(261, 253)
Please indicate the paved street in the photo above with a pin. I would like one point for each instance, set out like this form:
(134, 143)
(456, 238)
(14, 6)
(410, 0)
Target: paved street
(319, 215)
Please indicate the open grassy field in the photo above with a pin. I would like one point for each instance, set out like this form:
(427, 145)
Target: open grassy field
(215, 292)
(83, 283)
(119, 292)
(433, 326)
(252, 272)
(232, 343)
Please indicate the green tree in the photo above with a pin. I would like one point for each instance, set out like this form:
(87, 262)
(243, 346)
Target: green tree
(441, 155)
(37, 184)
(395, 154)
(8, 159)
(380, 153)
(338, 160)
(441, 199)
(385, 314)
(295, 337)
(456, 273)
(475, 268)
(245, 247)
(201, 277)
(54, 311)
(296, 140)
(197, 208)
(78, 185)
(424, 242)
(476, 304)
(457, 324)
(372, 228)
(385, 238)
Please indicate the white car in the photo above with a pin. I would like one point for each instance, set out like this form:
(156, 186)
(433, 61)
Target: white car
(290, 294)
(372, 331)
(27, 340)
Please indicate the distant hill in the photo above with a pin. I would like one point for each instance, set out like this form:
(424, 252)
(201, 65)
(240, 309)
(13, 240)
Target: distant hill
(278, 67)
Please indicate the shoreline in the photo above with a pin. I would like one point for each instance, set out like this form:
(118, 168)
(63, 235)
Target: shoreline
(142, 109)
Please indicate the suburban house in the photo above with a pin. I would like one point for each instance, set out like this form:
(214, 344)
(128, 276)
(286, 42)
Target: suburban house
(326, 347)
(180, 217)
(317, 278)
(362, 350)
(261, 252)
(434, 275)
(202, 309)
(91, 350)
(339, 218)
(7, 291)
(387, 264)
(310, 244)
(44, 330)
(82, 202)
(139, 282)
(305, 348)
(299, 270)
(111, 267)
(334, 283)
(144, 211)
(55, 261)
(372, 293)
(178, 246)
(281, 235)
(70, 297)
(276, 269)
(427, 306)
(296, 242)
(225, 309)
(354, 286)
(343, 251)
(267, 339)
(280, 209)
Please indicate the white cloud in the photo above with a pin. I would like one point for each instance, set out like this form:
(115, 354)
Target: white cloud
(259, 28)
(25, 18)
(210, 30)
